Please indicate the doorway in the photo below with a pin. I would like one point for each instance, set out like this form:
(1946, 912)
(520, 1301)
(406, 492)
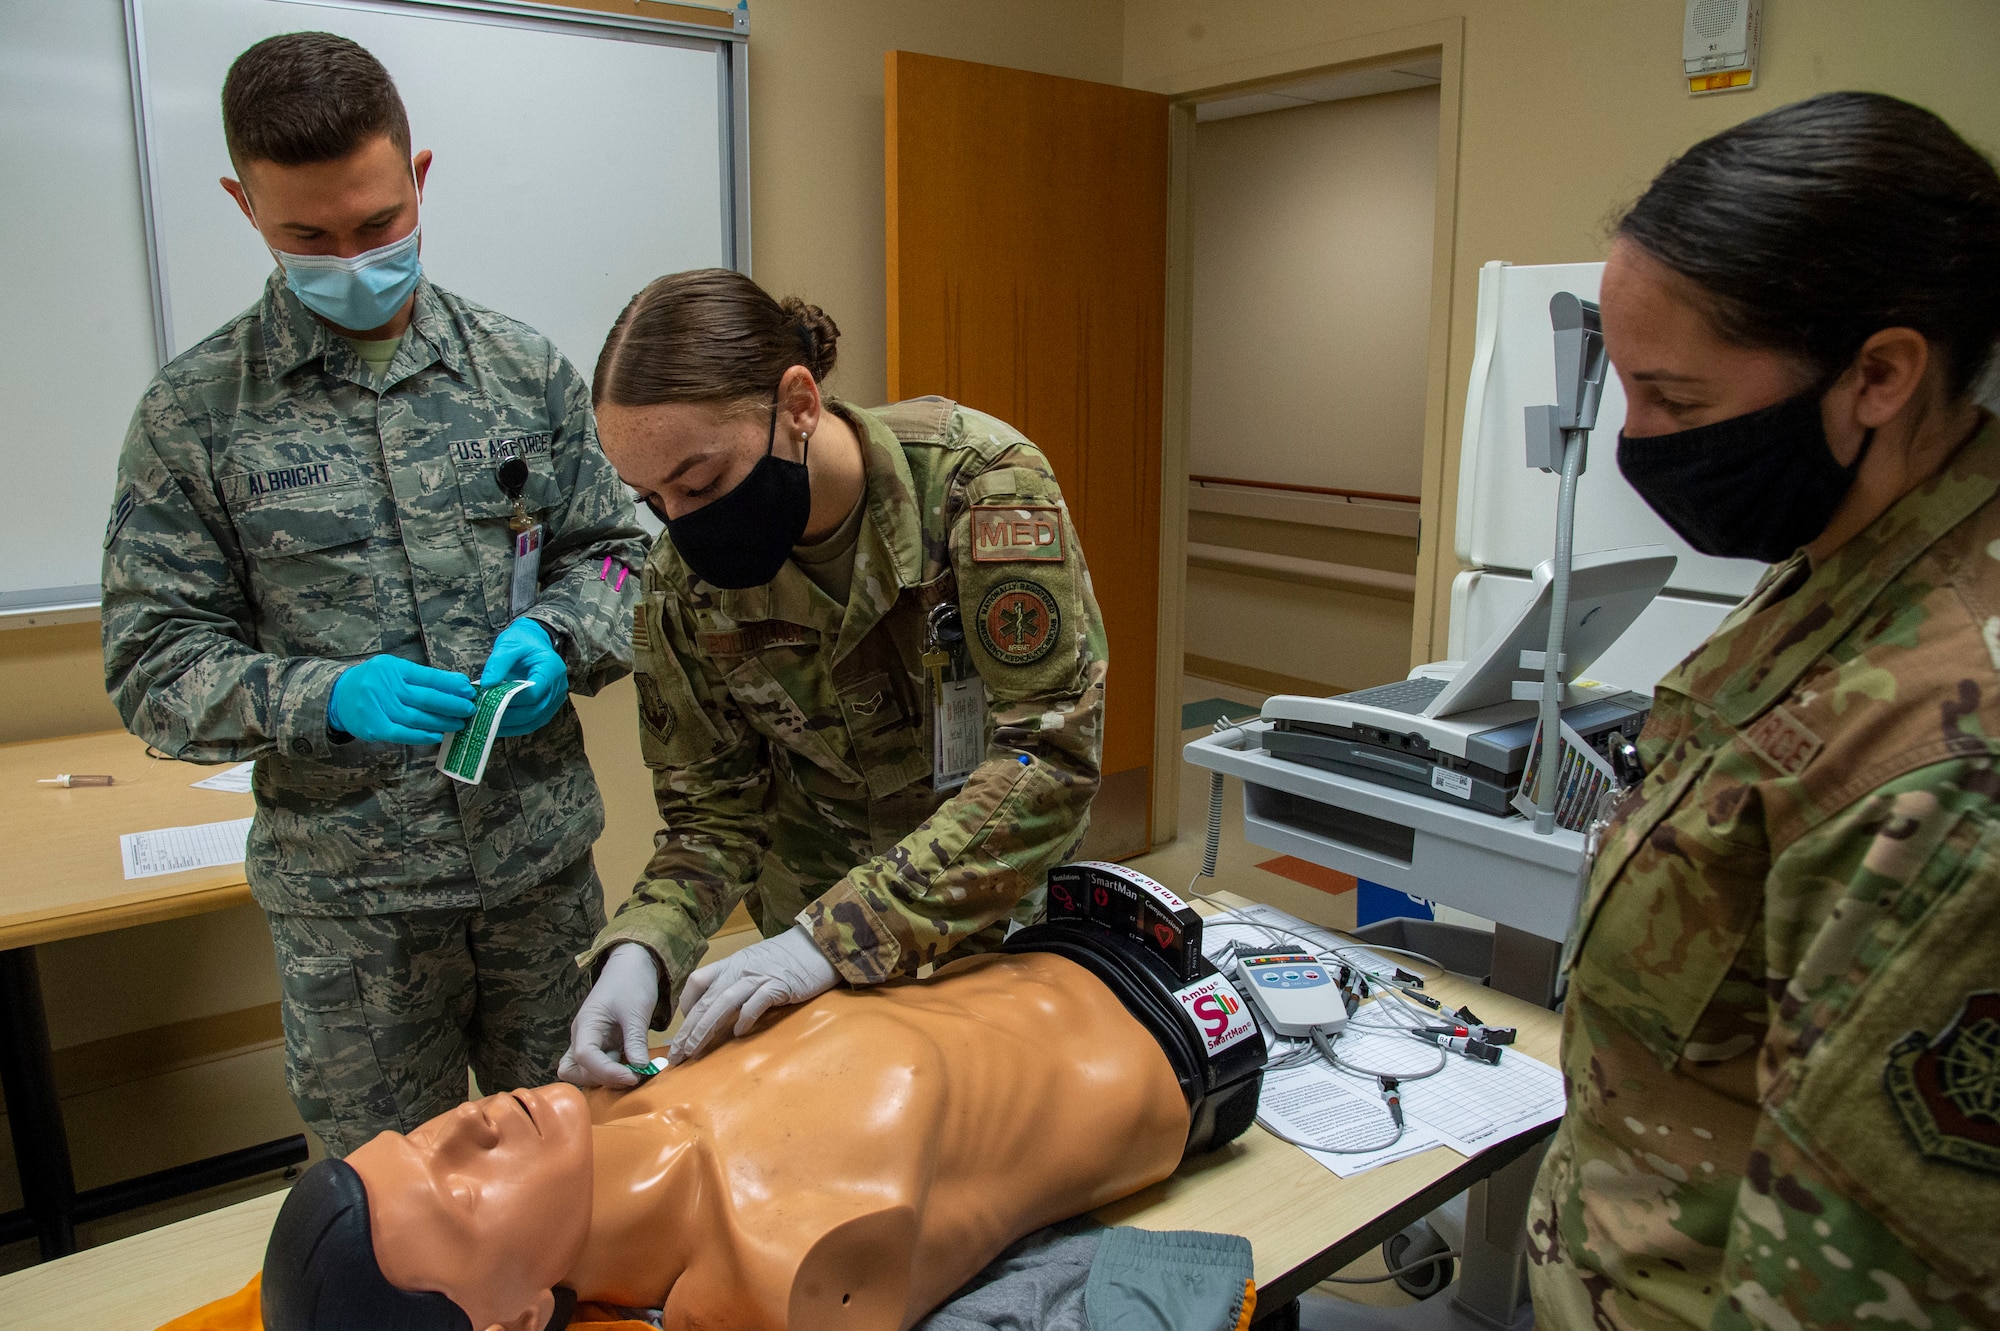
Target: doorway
(1308, 313)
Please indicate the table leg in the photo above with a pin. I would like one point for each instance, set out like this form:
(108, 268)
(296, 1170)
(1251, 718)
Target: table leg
(34, 1113)
(1493, 1276)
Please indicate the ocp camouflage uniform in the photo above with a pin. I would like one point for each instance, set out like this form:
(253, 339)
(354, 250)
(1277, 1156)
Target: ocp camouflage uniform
(282, 514)
(1782, 1038)
(790, 737)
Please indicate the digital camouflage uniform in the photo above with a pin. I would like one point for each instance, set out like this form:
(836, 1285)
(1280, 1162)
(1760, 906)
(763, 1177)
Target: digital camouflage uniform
(1782, 1038)
(282, 514)
(790, 738)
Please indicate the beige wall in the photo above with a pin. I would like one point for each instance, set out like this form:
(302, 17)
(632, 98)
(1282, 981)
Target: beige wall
(1312, 275)
(1567, 109)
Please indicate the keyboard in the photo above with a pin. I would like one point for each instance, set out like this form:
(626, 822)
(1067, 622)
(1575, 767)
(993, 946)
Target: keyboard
(1409, 696)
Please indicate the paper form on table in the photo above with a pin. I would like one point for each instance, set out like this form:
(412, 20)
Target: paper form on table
(178, 849)
(1316, 1104)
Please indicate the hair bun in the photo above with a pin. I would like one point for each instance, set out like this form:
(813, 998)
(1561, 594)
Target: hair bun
(818, 334)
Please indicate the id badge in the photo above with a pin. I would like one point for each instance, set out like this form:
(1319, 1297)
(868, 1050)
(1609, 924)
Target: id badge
(958, 700)
(527, 580)
(958, 731)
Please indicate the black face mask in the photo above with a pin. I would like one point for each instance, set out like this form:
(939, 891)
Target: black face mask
(745, 537)
(1756, 486)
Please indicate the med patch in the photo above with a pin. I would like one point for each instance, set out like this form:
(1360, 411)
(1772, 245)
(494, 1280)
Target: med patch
(1017, 533)
(1947, 1090)
(1018, 622)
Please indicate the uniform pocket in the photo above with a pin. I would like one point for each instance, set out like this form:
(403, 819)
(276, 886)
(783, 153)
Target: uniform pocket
(1624, 838)
(887, 739)
(674, 730)
(776, 715)
(331, 1064)
(1675, 903)
(311, 576)
(1900, 1096)
(487, 511)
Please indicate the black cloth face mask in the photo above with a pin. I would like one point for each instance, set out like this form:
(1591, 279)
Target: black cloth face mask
(745, 537)
(1756, 486)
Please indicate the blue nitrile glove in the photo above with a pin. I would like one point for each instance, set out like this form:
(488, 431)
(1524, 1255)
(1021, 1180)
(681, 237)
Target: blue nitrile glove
(524, 651)
(393, 701)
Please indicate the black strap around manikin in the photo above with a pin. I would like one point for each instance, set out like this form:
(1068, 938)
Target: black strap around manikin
(1221, 1094)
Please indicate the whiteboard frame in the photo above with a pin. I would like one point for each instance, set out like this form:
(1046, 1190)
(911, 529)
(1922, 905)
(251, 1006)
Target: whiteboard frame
(42, 606)
(732, 44)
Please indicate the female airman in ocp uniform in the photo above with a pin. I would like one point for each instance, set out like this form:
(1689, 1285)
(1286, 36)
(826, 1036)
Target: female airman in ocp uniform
(870, 669)
(1782, 1036)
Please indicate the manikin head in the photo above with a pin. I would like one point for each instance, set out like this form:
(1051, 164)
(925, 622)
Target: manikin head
(467, 1223)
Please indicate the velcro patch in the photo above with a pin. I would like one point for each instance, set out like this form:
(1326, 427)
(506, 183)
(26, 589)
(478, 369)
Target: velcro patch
(480, 450)
(654, 709)
(753, 638)
(1007, 533)
(1947, 1090)
(1018, 622)
(1784, 741)
(121, 510)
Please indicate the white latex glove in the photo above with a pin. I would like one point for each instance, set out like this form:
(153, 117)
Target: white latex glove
(610, 1028)
(728, 997)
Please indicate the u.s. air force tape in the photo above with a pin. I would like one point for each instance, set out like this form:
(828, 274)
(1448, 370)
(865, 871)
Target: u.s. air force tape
(1018, 622)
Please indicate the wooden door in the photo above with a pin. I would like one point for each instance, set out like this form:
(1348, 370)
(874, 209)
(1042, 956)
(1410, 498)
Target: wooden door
(1027, 228)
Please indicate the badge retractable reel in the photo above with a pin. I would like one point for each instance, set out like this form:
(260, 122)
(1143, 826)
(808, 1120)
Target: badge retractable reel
(525, 583)
(958, 699)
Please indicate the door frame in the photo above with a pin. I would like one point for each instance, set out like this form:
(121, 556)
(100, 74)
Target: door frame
(1443, 37)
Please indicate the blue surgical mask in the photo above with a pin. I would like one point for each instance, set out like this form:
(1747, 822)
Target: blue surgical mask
(360, 293)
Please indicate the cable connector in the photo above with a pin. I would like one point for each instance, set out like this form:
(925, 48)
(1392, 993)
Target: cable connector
(1392, 1096)
(1470, 1046)
(1480, 1030)
(1423, 998)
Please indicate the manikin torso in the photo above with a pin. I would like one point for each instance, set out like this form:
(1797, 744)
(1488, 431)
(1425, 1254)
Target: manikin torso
(849, 1166)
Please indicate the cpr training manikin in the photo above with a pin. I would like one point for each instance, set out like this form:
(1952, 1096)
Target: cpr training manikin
(846, 1167)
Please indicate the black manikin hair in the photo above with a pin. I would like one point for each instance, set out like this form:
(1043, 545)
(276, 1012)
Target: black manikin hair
(320, 1272)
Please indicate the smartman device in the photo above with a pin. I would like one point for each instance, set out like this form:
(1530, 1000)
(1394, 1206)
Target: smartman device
(1145, 944)
(1129, 903)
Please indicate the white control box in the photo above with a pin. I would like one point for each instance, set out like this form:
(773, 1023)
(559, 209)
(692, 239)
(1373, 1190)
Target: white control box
(1295, 991)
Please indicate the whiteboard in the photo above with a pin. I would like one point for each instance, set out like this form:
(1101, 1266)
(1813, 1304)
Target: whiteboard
(578, 156)
(76, 347)
(1506, 511)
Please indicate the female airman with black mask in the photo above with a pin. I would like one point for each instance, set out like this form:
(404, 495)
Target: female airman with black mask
(870, 671)
(1782, 1035)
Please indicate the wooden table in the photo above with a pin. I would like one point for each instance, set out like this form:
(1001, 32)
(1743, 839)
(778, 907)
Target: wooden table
(1303, 1221)
(66, 880)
